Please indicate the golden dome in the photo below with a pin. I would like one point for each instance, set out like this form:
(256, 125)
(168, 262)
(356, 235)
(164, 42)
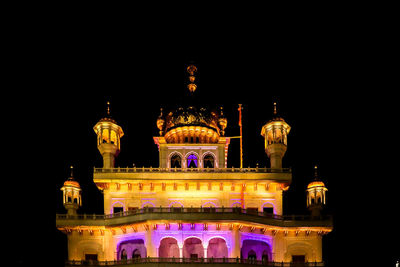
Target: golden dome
(315, 184)
(191, 125)
(71, 183)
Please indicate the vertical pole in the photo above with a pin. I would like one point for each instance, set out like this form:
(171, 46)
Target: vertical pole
(241, 135)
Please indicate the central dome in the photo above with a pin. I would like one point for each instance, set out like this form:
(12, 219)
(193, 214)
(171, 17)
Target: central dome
(190, 125)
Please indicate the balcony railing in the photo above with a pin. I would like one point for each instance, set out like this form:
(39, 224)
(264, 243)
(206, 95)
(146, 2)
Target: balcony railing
(198, 261)
(198, 210)
(196, 170)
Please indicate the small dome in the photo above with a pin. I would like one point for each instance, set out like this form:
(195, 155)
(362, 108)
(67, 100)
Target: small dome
(70, 182)
(315, 184)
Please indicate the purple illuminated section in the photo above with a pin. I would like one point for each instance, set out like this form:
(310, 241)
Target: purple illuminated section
(192, 161)
(171, 243)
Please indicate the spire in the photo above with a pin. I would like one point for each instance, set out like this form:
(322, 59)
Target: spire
(275, 108)
(108, 108)
(72, 171)
(191, 69)
(316, 176)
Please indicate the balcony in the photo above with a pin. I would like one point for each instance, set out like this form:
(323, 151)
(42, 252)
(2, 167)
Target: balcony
(192, 170)
(167, 262)
(101, 175)
(193, 214)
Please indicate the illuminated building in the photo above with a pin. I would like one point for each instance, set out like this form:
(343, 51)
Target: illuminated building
(192, 208)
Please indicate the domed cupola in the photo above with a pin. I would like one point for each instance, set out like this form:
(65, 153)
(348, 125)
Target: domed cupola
(191, 125)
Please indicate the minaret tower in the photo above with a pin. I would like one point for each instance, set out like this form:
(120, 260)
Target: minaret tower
(72, 199)
(275, 134)
(109, 134)
(316, 192)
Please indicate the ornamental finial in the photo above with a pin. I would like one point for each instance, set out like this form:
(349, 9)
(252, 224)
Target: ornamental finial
(316, 172)
(108, 108)
(191, 69)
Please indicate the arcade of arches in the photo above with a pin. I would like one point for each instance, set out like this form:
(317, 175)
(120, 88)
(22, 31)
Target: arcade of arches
(194, 248)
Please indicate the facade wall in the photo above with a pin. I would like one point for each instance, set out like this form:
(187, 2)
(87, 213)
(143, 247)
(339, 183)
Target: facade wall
(167, 150)
(140, 194)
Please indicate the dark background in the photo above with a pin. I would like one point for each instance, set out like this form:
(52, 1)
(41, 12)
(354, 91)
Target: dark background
(332, 85)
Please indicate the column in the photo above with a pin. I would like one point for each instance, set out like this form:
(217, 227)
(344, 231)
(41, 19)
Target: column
(151, 251)
(235, 242)
(180, 251)
(205, 246)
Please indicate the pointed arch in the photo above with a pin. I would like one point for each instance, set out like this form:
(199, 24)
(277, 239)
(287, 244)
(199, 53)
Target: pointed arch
(176, 155)
(209, 160)
(192, 160)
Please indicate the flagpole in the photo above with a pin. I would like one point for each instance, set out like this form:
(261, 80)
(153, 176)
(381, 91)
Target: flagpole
(241, 135)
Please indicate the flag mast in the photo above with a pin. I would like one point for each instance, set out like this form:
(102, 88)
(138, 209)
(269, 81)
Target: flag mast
(241, 135)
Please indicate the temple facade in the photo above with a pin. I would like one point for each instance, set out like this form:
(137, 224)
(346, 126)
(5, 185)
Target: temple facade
(192, 208)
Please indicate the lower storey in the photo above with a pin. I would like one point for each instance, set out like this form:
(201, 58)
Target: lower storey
(195, 243)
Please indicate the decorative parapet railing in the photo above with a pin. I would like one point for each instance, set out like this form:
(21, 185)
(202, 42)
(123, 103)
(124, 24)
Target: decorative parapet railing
(196, 213)
(195, 170)
(199, 261)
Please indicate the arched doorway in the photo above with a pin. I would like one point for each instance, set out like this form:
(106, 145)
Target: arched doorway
(176, 161)
(192, 161)
(124, 255)
(252, 256)
(217, 248)
(265, 257)
(132, 248)
(209, 161)
(260, 248)
(193, 248)
(136, 254)
(168, 248)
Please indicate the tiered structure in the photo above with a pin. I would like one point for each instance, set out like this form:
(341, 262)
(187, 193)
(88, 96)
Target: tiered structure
(193, 208)
(72, 199)
(316, 198)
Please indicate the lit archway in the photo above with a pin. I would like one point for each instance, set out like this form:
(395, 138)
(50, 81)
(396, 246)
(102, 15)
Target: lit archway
(176, 161)
(260, 248)
(168, 248)
(217, 248)
(193, 248)
(134, 248)
(192, 161)
(208, 161)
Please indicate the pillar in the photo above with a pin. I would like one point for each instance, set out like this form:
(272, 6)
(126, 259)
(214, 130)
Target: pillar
(235, 242)
(180, 251)
(151, 249)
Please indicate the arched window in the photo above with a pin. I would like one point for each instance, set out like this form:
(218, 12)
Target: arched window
(136, 254)
(124, 255)
(265, 256)
(209, 161)
(252, 256)
(176, 161)
(192, 161)
(113, 137)
(105, 136)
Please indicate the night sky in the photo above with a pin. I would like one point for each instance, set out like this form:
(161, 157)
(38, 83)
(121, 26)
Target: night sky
(322, 88)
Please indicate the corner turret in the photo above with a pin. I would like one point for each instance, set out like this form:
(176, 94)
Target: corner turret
(275, 134)
(316, 195)
(72, 199)
(108, 134)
